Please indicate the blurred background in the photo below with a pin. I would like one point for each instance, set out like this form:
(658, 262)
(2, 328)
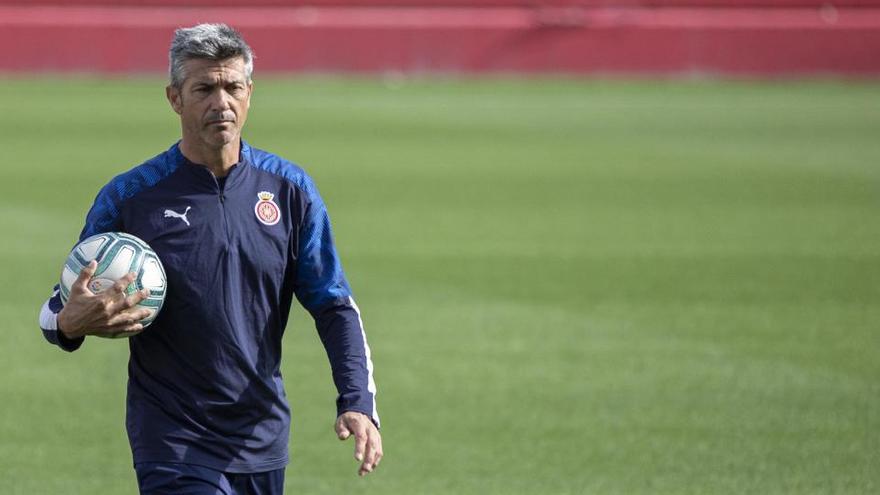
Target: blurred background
(658, 37)
(600, 246)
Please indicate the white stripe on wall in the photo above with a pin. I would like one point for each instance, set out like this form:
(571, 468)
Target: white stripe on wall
(371, 384)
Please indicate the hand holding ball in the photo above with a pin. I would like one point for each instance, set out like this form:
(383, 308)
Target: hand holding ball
(112, 285)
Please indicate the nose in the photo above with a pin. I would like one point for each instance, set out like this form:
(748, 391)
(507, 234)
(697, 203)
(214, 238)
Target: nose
(220, 100)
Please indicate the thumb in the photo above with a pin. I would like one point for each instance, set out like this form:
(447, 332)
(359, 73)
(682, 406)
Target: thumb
(342, 431)
(82, 281)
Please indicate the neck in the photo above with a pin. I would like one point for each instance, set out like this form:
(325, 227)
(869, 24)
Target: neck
(218, 160)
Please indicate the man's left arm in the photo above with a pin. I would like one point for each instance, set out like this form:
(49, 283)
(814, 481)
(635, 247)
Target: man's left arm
(322, 289)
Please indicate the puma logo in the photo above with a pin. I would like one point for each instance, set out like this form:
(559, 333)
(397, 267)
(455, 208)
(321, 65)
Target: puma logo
(182, 216)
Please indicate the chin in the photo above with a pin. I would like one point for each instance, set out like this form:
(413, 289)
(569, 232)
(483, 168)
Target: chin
(222, 138)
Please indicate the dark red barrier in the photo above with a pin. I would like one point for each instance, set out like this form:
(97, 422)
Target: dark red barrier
(452, 3)
(579, 40)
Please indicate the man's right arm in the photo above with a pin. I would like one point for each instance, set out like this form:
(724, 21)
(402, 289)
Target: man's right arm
(105, 314)
(87, 313)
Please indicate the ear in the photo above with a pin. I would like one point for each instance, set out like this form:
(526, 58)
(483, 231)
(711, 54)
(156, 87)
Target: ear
(174, 98)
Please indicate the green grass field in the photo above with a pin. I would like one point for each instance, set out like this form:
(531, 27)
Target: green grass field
(569, 286)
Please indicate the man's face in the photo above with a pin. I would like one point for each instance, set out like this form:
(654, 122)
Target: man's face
(213, 101)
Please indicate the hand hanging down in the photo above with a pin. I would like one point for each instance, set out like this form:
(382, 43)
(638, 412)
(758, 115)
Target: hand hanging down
(367, 439)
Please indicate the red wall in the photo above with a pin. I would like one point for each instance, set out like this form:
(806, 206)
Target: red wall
(756, 37)
(450, 3)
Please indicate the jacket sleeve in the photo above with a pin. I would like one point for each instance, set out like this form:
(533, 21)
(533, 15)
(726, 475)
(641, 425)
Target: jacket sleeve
(322, 289)
(102, 217)
(49, 323)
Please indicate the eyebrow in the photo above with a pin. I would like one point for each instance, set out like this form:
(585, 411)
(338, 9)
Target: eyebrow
(212, 83)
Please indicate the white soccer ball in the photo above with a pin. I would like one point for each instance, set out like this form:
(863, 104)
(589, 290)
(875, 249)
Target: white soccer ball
(117, 254)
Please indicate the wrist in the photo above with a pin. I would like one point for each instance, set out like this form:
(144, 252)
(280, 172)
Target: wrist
(62, 324)
(356, 413)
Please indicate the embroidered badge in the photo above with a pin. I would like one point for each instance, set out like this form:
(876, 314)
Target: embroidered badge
(266, 210)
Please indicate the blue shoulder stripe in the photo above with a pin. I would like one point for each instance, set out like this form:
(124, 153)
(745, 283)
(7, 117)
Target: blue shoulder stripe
(105, 211)
(320, 280)
(274, 164)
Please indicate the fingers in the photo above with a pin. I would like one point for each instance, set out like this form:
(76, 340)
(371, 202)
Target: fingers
(360, 443)
(82, 280)
(132, 300)
(363, 452)
(373, 454)
(122, 284)
(367, 440)
(341, 430)
(128, 317)
(85, 275)
(120, 301)
(128, 321)
(132, 329)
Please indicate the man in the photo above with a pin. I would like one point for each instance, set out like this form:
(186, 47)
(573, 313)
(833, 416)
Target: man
(206, 408)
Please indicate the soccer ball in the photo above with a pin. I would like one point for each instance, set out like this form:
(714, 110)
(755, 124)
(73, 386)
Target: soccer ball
(117, 254)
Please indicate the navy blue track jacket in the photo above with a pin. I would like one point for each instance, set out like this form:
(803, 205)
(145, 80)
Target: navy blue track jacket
(204, 382)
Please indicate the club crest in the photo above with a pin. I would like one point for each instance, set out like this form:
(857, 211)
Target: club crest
(97, 285)
(267, 211)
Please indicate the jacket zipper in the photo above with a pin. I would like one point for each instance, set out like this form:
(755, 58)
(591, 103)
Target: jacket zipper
(222, 198)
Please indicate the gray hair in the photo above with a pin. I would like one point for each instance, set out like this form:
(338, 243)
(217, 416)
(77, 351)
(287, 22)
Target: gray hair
(206, 41)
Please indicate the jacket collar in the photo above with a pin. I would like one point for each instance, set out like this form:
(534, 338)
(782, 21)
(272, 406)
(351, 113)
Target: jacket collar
(202, 176)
